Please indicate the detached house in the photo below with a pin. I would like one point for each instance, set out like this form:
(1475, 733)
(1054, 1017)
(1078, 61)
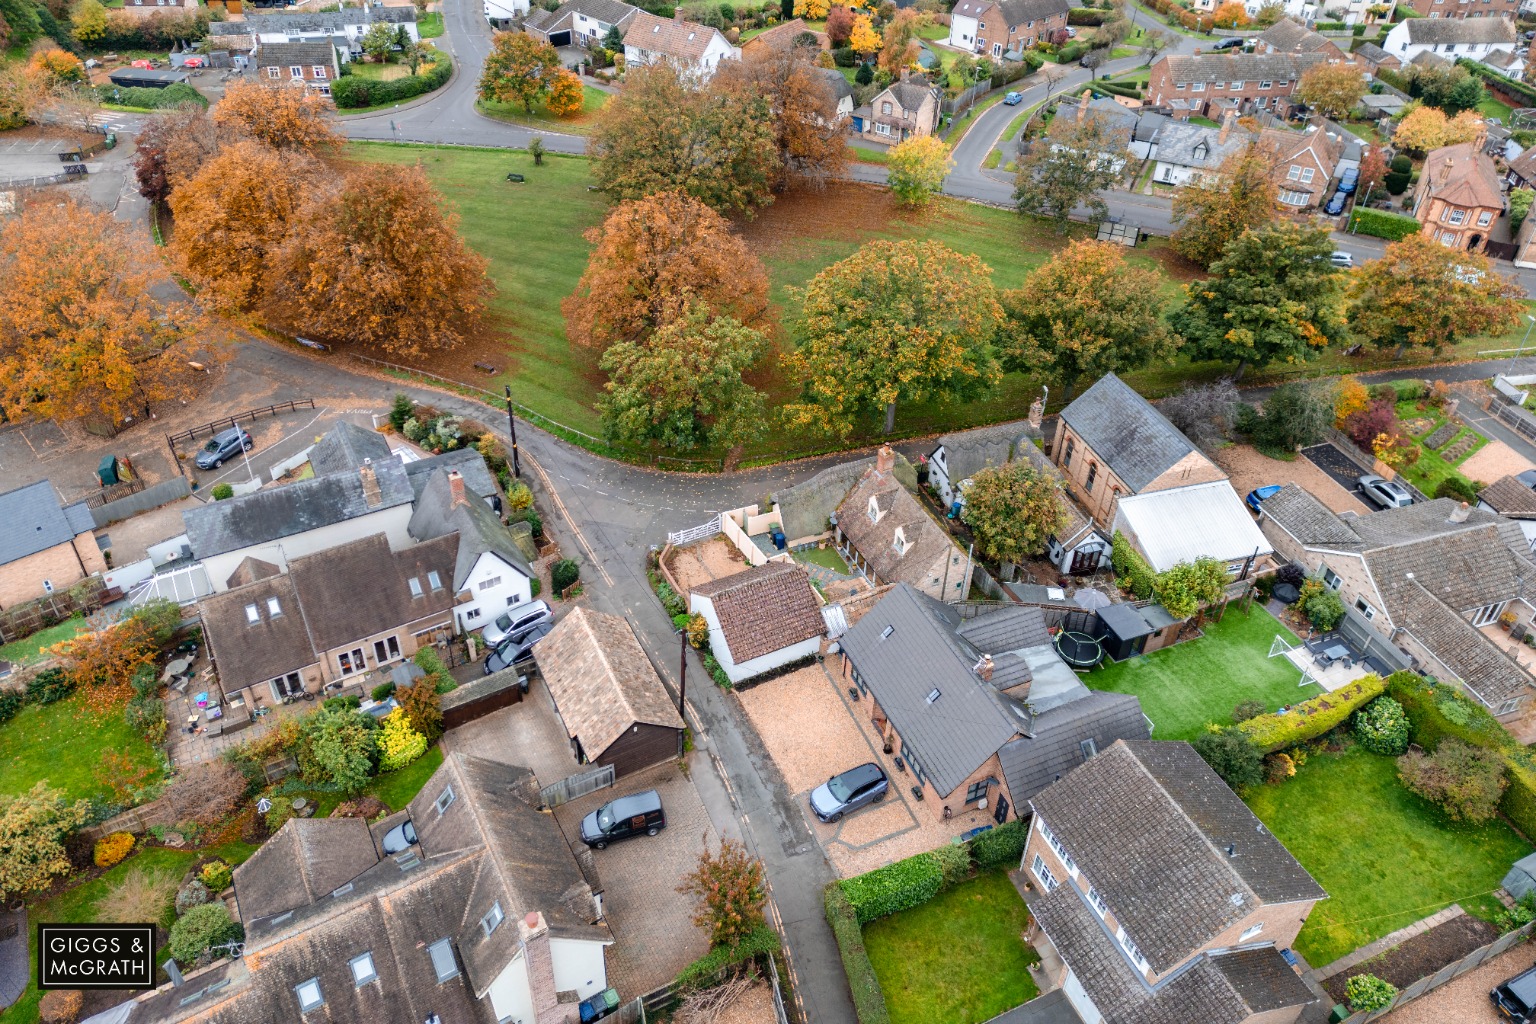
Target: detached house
(46, 546)
(1304, 163)
(579, 22)
(1431, 579)
(1157, 897)
(694, 50)
(1514, 498)
(1287, 36)
(999, 28)
(1188, 153)
(1458, 196)
(883, 531)
(313, 65)
(1449, 38)
(904, 109)
(760, 619)
(492, 570)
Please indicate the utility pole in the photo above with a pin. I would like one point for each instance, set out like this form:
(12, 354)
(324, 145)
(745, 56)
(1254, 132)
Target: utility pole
(682, 672)
(517, 469)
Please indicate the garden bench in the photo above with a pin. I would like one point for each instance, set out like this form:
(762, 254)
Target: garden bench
(486, 368)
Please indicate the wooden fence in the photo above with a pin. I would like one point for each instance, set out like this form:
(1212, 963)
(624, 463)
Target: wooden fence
(227, 422)
(23, 620)
(1447, 973)
(574, 787)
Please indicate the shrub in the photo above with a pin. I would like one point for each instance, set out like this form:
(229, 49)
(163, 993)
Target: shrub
(954, 863)
(1247, 709)
(1391, 226)
(564, 574)
(1456, 487)
(154, 99)
(222, 492)
(868, 1001)
(1278, 767)
(382, 691)
(1367, 992)
(350, 91)
(1001, 845)
(280, 812)
(61, 1006)
(112, 848)
(729, 893)
(519, 497)
(1382, 727)
(50, 685)
(894, 888)
(1312, 718)
(216, 875)
(201, 927)
(1232, 755)
(11, 703)
(759, 941)
(1131, 570)
(1324, 610)
(422, 706)
(535, 585)
(365, 807)
(192, 894)
(1291, 573)
(1465, 781)
(845, 57)
(1436, 712)
(399, 744)
(697, 628)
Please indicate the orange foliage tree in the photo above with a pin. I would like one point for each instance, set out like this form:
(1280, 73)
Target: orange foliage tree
(234, 213)
(1352, 397)
(80, 330)
(653, 257)
(518, 69)
(1231, 14)
(864, 39)
(104, 657)
(283, 116)
(379, 263)
(899, 48)
(55, 67)
(1425, 128)
(808, 132)
(565, 94)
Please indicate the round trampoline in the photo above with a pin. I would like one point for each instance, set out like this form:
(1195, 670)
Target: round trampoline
(1079, 649)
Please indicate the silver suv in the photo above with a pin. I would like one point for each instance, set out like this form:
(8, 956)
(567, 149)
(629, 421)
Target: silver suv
(224, 445)
(514, 620)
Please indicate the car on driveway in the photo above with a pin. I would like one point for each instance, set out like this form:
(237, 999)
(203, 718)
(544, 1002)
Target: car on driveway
(517, 648)
(515, 620)
(1384, 492)
(1515, 1000)
(1227, 44)
(624, 818)
(1259, 494)
(224, 445)
(1350, 180)
(400, 838)
(1013, 99)
(1336, 204)
(854, 788)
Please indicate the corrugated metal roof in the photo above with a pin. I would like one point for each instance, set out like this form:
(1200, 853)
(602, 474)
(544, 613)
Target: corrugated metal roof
(1186, 523)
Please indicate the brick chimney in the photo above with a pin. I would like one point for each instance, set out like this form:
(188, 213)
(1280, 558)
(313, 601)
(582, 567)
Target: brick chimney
(456, 489)
(534, 933)
(984, 668)
(677, 15)
(1226, 126)
(1445, 170)
(885, 459)
(1460, 513)
(1082, 104)
(371, 493)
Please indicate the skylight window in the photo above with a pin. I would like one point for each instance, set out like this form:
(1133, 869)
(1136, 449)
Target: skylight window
(443, 962)
(491, 921)
(934, 695)
(415, 585)
(362, 969)
(309, 995)
(252, 614)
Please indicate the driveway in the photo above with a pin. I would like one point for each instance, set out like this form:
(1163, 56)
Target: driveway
(1340, 468)
(1249, 470)
(1465, 1000)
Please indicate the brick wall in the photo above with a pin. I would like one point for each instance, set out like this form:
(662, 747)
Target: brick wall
(1101, 502)
(22, 580)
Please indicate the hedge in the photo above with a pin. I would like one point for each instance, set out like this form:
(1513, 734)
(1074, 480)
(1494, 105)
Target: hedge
(153, 99)
(894, 888)
(1119, 89)
(1312, 718)
(1391, 226)
(352, 91)
(1395, 79)
(868, 1000)
(760, 941)
(1509, 85)
(1015, 70)
(1001, 845)
(1130, 568)
(1083, 16)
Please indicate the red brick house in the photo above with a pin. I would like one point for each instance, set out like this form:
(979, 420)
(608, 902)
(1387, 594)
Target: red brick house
(1304, 164)
(1287, 36)
(995, 27)
(313, 65)
(1467, 8)
(1458, 197)
(1196, 84)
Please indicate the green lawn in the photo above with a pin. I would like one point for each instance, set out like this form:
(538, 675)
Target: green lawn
(1491, 107)
(378, 72)
(397, 789)
(960, 958)
(1189, 684)
(827, 558)
(430, 26)
(63, 743)
(1431, 469)
(592, 101)
(932, 32)
(1385, 857)
(29, 649)
(1207, 122)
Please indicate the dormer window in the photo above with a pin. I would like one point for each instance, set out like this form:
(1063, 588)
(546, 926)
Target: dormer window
(899, 541)
(874, 510)
(1251, 933)
(252, 614)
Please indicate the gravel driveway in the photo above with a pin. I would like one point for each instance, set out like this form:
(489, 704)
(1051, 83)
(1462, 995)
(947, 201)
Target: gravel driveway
(1465, 1000)
(1250, 470)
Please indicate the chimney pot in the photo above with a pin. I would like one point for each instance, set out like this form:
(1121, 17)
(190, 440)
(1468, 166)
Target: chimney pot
(456, 488)
(986, 668)
(885, 459)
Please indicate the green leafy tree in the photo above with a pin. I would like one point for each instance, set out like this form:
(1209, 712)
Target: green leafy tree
(1466, 781)
(896, 321)
(916, 169)
(1084, 313)
(518, 70)
(1519, 205)
(1013, 509)
(1214, 210)
(379, 41)
(1295, 415)
(1273, 296)
(683, 386)
(201, 928)
(1185, 587)
(1232, 755)
(1366, 992)
(614, 40)
(33, 828)
(89, 21)
(1077, 158)
(338, 747)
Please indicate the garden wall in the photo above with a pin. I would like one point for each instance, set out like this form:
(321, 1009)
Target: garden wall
(163, 493)
(481, 697)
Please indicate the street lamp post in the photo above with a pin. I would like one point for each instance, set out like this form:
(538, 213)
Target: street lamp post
(682, 672)
(517, 469)
(1527, 336)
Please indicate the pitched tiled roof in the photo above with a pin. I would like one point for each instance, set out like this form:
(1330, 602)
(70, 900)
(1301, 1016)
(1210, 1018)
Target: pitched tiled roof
(1287, 36)
(250, 570)
(1463, 174)
(1524, 166)
(1501, 59)
(684, 40)
(1460, 30)
(1484, 669)
(1007, 629)
(1194, 145)
(345, 447)
(1239, 67)
(764, 609)
(1311, 522)
(36, 520)
(1151, 824)
(1129, 436)
(355, 590)
(1510, 496)
(315, 21)
(609, 12)
(248, 652)
(1466, 570)
(438, 513)
(910, 96)
(780, 35)
(469, 463)
(307, 859)
(601, 680)
(1054, 745)
(926, 541)
(304, 55)
(1372, 53)
(966, 452)
(1022, 12)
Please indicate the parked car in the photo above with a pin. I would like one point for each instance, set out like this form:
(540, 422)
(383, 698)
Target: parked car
(1259, 494)
(1342, 259)
(515, 620)
(1013, 99)
(517, 648)
(223, 445)
(854, 788)
(1336, 204)
(1349, 180)
(1515, 1000)
(1227, 44)
(624, 818)
(401, 837)
(1386, 493)
(1071, 33)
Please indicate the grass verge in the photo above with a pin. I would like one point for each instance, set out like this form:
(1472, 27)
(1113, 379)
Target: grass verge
(592, 100)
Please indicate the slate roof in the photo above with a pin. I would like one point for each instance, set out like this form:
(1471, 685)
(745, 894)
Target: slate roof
(273, 513)
(1287, 36)
(1182, 524)
(1463, 174)
(1524, 166)
(1193, 145)
(1007, 629)
(36, 520)
(1110, 114)
(305, 55)
(927, 543)
(1372, 53)
(684, 40)
(307, 859)
(764, 609)
(1483, 667)
(601, 680)
(1424, 31)
(250, 652)
(437, 514)
(609, 12)
(969, 721)
(469, 463)
(1150, 823)
(1510, 497)
(1501, 59)
(805, 507)
(345, 447)
(1239, 67)
(1054, 746)
(1015, 12)
(1129, 436)
(1311, 522)
(250, 570)
(328, 21)
(967, 452)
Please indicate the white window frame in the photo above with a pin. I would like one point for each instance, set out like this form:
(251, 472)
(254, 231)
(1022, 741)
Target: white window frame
(274, 72)
(1238, 86)
(445, 945)
(1251, 932)
(306, 1001)
(252, 614)
(494, 581)
(434, 580)
(355, 659)
(444, 799)
(387, 649)
(1455, 217)
(492, 919)
(1061, 850)
(274, 607)
(1485, 218)
(317, 72)
(1331, 579)
(1097, 902)
(1307, 174)
(1294, 174)
(296, 71)
(1042, 873)
(415, 585)
(1129, 946)
(1266, 85)
(1197, 87)
(369, 973)
(1364, 608)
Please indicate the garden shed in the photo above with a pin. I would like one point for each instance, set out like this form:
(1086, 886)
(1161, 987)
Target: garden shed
(1124, 631)
(1522, 877)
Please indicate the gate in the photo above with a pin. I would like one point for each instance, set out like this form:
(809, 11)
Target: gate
(700, 532)
(573, 787)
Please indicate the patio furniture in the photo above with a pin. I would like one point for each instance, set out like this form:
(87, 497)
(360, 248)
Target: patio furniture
(174, 668)
(1338, 652)
(201, 700)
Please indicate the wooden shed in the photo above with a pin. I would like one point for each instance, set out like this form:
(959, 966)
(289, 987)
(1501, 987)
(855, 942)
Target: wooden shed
(613, 704)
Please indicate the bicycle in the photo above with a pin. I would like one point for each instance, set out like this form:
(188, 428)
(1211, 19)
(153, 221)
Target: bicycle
(290, 698)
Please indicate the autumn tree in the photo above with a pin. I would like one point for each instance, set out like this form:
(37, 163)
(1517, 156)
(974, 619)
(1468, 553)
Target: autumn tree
(661, 135)
(1014, 509)
(1078, 157)
(1084, 313)
(839, 25)
(1332, 90)
(519, 70)
(682, 387)
(80, 329)
(170, 148)
(1215, 210)
(1452, 87)
(814, 10)
(1373, 169)
(409, 284)
(17, 92)
(234, 213)
(729, 891)
(423, 707)
(895, 322)
(88, 21)
(566, 94)
(899, 46)
(54, 67)
(279, 115)
(916, 169)
(651, 259)
(33, 828)
(809, 134)
(1424, 294)
(1425, 128)
(206, 792)
(863, 38)
(1273, 296)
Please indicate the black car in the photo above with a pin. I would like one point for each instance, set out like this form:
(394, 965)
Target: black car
(1515, 1000)
(854, 788)
(1227, 44)
(1336, 204)
(624, 818)
(516, 648)
(223, 445)
(401, 837)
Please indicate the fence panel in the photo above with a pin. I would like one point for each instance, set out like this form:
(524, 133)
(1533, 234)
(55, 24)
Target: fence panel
(1446, 974)
(573, 787)
(632, 1012)
(779, 1010)
(163, 493)
(229, 421)
(693, 533)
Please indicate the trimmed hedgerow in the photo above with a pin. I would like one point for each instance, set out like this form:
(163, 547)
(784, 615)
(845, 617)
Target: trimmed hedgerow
(761, 940)
(1312, 718)
(351, 91)
(1001, 845)
(895, 887)
(868, 1000)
